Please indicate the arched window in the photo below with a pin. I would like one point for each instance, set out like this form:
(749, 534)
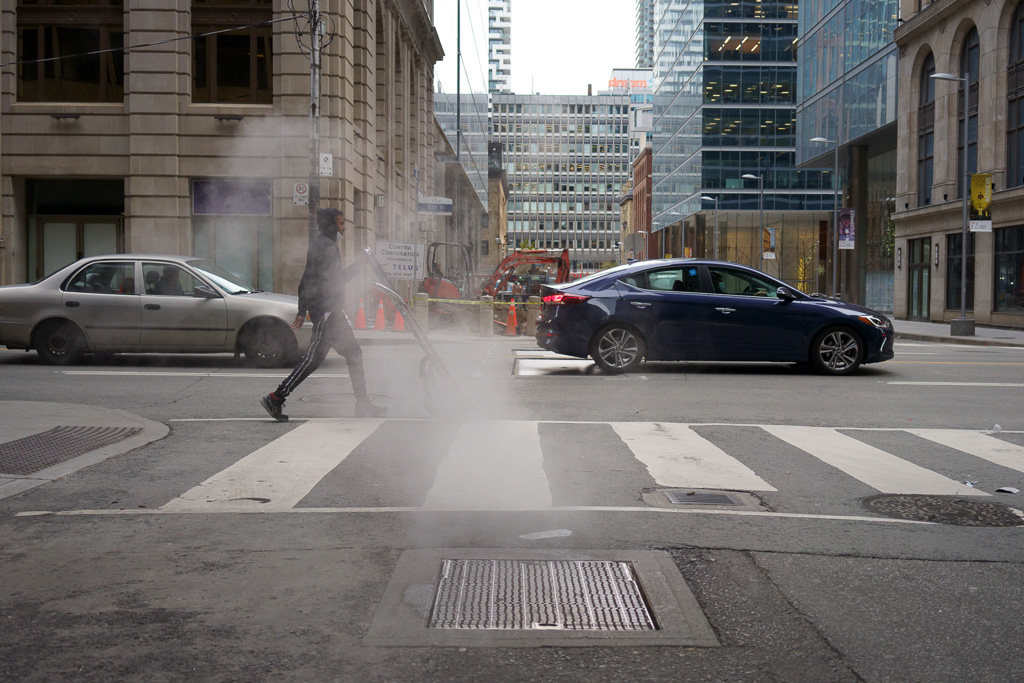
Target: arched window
(926, 133)
(1015, 102)
(969, 61)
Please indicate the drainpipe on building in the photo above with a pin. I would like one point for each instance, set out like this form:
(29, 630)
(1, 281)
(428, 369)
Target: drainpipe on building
(314, 114)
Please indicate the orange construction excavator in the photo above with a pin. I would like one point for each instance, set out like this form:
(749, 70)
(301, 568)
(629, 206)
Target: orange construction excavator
(526, 270)
(520, 275)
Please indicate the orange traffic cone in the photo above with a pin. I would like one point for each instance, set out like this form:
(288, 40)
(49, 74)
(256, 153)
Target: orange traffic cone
(510, 321)
(399, 325)
(379, 322)
(360, 317)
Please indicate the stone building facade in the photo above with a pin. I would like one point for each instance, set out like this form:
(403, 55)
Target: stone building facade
(196, 137)
(983, 41)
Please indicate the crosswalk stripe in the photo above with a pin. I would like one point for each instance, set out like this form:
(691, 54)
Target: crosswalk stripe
(977, 444)
(676, 456)
(874, 467)
(492, 465)
(279, 475)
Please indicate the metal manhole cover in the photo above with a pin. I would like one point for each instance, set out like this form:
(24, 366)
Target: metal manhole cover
(945, 510)
(34, 453)
(569, 595)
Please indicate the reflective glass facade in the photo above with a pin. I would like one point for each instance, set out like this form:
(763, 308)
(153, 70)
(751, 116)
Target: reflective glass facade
(847, 93)
(724, 106)
(472, 144)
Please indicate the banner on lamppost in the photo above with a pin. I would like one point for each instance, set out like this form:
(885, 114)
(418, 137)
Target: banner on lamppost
(847, 228)
(981, 198)
(768, 243)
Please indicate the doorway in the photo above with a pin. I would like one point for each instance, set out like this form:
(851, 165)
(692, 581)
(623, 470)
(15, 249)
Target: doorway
(56, 241)
(918, 283)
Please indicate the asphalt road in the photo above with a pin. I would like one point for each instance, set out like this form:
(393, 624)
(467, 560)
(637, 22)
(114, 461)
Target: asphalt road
(238, 548)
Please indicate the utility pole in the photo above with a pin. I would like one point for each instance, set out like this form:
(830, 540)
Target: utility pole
(315, 36)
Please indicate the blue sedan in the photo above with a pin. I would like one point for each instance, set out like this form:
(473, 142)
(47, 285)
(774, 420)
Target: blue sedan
(701, 310)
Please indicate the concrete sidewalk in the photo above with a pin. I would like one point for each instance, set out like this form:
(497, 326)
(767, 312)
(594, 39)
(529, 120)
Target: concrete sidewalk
(939, 332)
(41, 442)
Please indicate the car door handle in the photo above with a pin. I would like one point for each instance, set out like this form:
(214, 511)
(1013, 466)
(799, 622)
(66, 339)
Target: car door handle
(72, 304)
(640, 304)
(727, 311)
(152, 307)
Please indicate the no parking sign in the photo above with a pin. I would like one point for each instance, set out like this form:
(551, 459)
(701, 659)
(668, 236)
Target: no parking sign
(301, 195)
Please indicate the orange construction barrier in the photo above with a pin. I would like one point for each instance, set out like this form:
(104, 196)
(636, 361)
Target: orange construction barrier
(379, 320)
(399, 325)
(360, 317)
(510, 321)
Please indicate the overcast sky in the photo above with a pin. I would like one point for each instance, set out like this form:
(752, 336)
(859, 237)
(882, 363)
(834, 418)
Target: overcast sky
(558, 46)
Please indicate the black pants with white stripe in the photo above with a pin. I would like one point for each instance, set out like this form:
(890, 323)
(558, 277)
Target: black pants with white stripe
(332, 331)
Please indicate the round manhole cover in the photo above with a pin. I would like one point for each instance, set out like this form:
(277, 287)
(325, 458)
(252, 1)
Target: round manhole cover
(945, 510)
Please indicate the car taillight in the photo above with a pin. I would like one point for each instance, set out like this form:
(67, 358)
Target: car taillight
(564, 299)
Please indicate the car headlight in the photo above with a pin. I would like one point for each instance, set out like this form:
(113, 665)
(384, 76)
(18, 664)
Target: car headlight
(874, 321)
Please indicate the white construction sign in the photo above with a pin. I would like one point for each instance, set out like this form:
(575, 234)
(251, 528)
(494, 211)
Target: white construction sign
(400, 260)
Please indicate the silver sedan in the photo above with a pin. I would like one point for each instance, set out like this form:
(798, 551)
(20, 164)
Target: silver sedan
(134, 303)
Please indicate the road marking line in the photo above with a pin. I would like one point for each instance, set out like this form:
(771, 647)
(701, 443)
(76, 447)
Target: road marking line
(147, 373)
(961, 384)
(876, 468)
(421, 511)
(492, 465)
(279, 475)
(676, 456)
(979, 445)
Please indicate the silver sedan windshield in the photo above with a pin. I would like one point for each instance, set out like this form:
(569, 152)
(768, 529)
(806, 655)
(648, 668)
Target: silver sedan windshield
(229, 282)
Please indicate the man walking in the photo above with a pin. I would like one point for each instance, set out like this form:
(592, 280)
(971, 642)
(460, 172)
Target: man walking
(320, 295)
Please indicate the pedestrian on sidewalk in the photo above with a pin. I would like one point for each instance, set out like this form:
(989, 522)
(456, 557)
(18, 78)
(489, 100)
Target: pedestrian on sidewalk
(320, 295)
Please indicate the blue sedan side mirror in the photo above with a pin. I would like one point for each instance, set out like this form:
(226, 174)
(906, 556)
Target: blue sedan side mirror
(785, 294)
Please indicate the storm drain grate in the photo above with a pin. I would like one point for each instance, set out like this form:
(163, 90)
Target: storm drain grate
(39, 451)
(569, 595)
(691, 498)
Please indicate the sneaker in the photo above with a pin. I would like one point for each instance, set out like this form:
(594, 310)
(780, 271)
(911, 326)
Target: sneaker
(273, 406)
(366, 409)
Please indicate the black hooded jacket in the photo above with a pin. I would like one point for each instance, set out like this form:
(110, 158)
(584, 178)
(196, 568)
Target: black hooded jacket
(320, 290)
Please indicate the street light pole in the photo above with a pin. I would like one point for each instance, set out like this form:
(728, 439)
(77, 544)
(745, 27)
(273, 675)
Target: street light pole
(715, 200)
(963, 326)
(760, 210)
(835, 211)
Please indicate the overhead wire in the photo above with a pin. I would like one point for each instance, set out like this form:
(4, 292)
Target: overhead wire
(129, 48)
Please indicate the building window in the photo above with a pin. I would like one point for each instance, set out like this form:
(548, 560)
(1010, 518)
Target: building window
(1015, 102)
(86, 37)
(926, 134)
(954, 249)
(1009, 252)
(232, 67)
(969, 62)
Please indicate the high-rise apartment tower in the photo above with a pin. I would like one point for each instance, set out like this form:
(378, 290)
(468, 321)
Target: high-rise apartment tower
(499, 46)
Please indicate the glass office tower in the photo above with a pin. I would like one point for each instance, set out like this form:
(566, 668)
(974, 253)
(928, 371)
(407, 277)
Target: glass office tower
(724, 108)
(847, 92)
(567, 159)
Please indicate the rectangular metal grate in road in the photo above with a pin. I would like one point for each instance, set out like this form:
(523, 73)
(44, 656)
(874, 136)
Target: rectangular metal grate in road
(690, 498)
(31, 454)
(571, 595)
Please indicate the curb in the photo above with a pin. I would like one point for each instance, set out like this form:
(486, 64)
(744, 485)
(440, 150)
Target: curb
(967, 341)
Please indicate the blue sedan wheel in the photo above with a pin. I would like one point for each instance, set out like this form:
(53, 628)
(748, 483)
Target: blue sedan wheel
(836, 351)
(617, 349)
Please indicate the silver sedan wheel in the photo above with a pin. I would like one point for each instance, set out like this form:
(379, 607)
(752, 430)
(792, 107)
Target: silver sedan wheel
(617, 349)
(836, 352)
